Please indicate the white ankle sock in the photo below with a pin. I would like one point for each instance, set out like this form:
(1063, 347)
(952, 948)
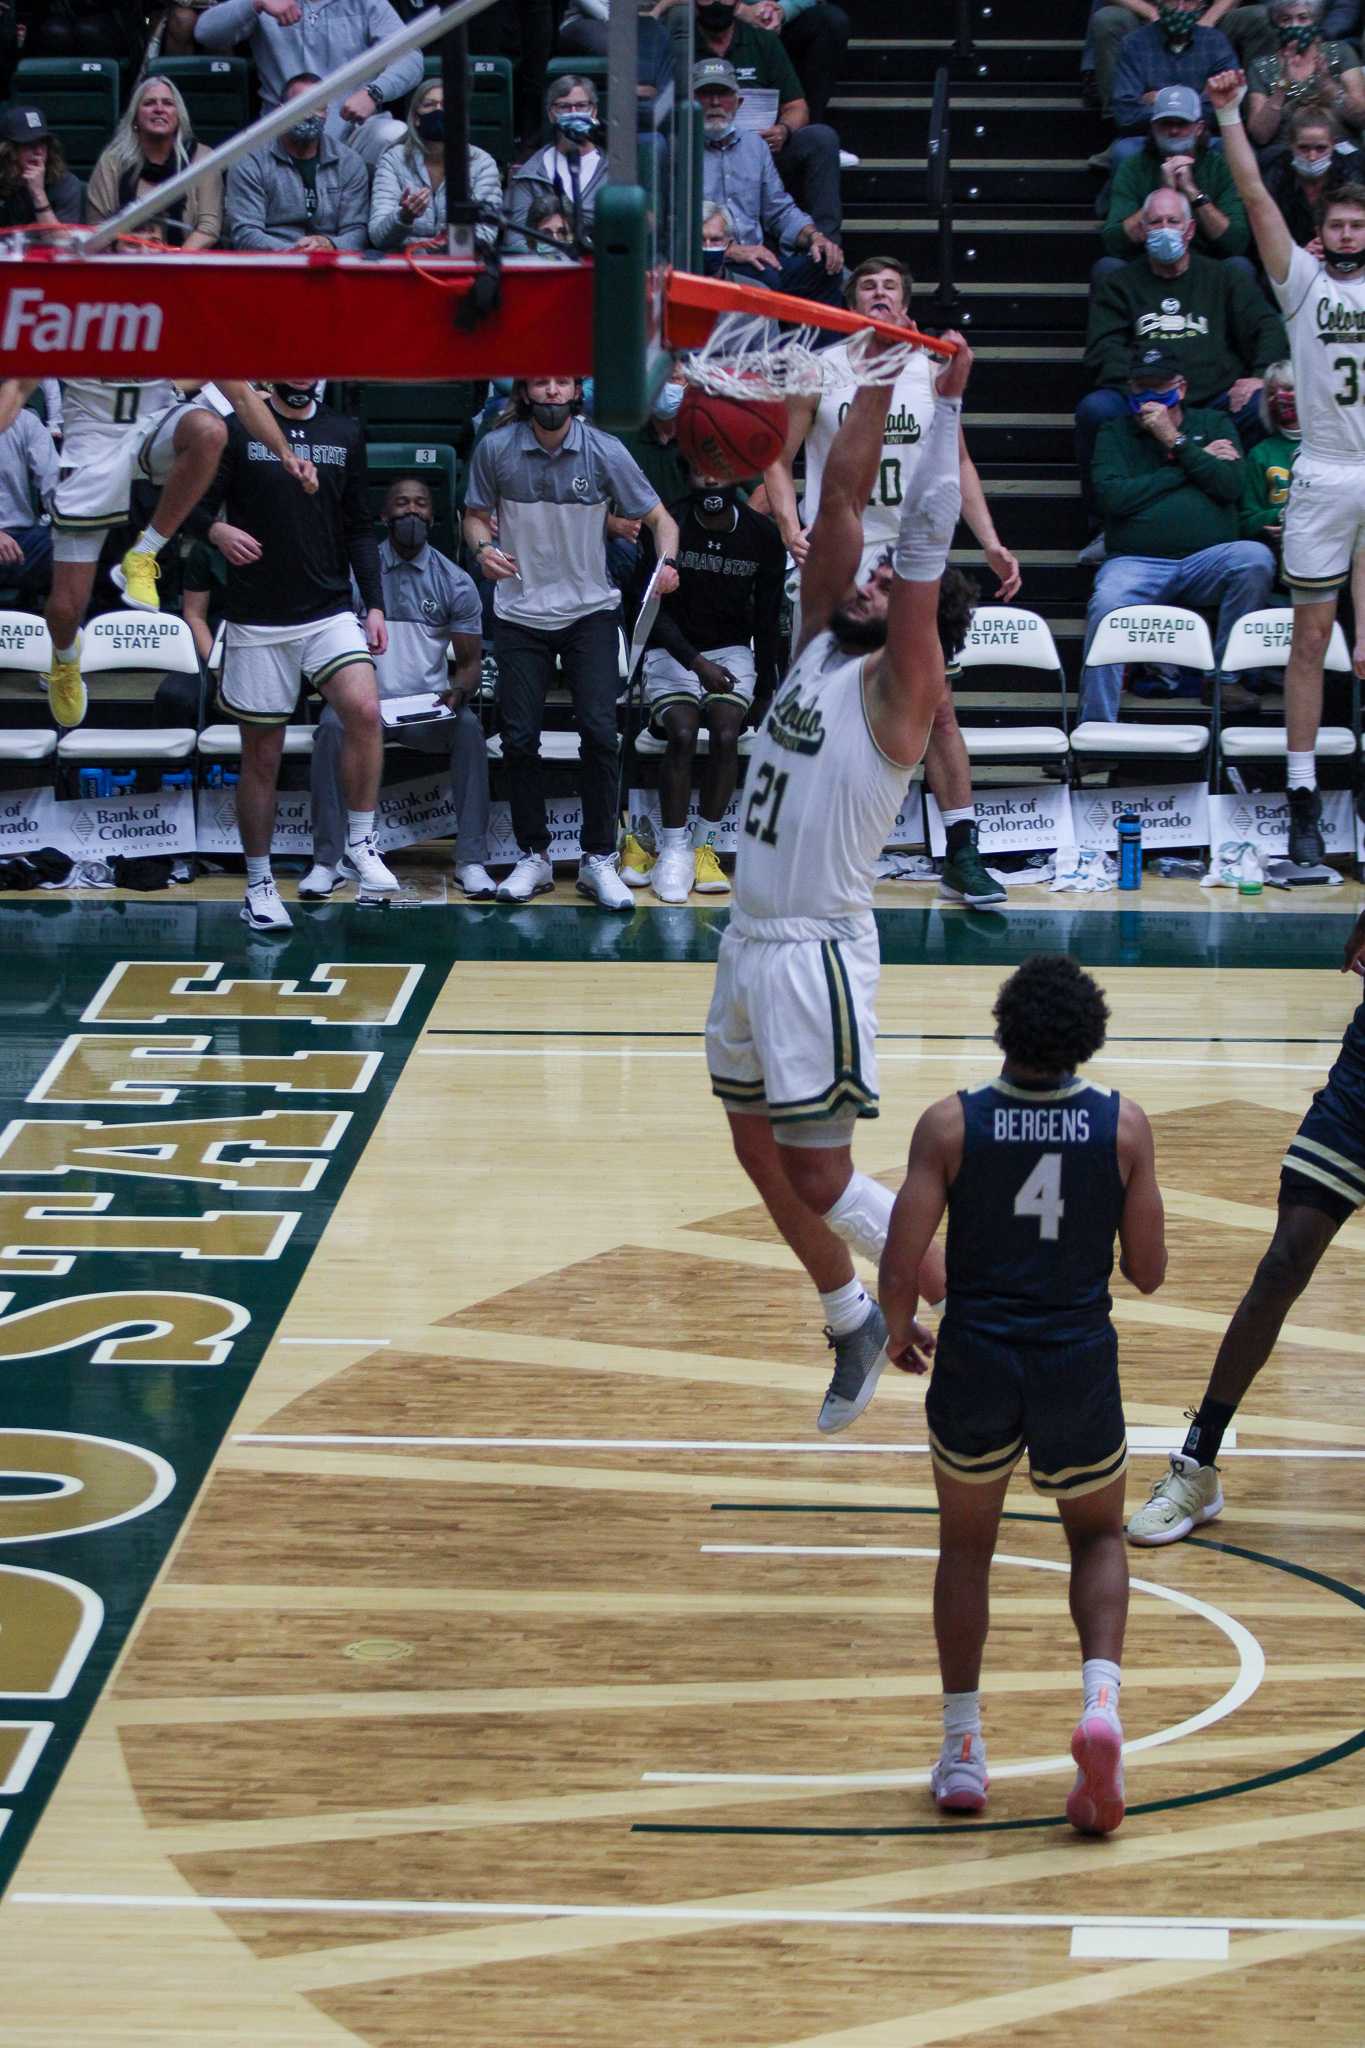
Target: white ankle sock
(846, 1307)
(673, 838)
(1303, 769)
(257, 869)
(1101, 1681)
(150, 542)
(862, 1215)
(359, 825)
(961, 1715)
(966, 816)
(69, 653)
(704, 832)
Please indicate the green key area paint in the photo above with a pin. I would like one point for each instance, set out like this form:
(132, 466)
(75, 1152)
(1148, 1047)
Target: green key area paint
(184, 1108)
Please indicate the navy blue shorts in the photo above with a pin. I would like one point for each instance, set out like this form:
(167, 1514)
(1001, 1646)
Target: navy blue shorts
(1324, 1167)
(989, 1402)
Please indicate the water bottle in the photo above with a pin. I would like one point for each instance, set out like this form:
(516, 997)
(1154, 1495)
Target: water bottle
(1129, 830)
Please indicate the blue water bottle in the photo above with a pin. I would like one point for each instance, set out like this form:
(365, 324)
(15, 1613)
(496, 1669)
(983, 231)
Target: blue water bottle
(1129, 830)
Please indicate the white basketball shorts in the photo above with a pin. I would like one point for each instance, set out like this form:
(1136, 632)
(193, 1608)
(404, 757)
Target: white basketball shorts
(1324, 526)
(668, 682)
(792, 1030)
(97, 494)
(267, 668)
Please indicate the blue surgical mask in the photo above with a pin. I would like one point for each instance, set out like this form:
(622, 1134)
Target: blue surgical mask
(1311, 166)
(1165, 245)
(668, 401)
(1137, 399)
(576, 127)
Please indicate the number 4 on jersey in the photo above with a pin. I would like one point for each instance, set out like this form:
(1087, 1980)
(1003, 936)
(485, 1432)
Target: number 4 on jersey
(1041, 1196)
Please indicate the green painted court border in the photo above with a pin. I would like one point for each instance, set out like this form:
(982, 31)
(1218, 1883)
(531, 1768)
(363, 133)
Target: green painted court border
(1321, 1761)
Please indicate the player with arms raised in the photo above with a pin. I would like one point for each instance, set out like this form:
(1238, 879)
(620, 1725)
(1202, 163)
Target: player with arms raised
(791, 1035)
(1038, 1170)
(1324, 522)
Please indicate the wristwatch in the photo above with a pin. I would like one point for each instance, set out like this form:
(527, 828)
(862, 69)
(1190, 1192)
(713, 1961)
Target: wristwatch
(479, 547)
(1179, 442)
(1200, 199)
(375, 94)
(670, 561)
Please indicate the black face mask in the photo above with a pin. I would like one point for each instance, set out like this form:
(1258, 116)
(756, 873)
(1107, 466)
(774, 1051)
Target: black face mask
(431, 126)
(1344, 265)
(715, 15)
(864, 633)
(298, 397)
(713, 261)
(409, 530)
(716, 498)
(549, 416)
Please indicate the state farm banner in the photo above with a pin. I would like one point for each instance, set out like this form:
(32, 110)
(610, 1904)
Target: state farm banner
(216, 822)
(1264, 821)
(97, 828)
(1171, 814)
(1037, 814)
(410, 812)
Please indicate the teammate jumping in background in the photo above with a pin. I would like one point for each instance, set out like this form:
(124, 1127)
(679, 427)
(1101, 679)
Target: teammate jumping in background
(1038, 1170)
(1324, 522)
(791, 1034)
(1322, 1184)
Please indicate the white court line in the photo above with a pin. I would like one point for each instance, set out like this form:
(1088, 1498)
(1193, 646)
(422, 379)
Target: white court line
(734, 1916)
(375, 1342)
(1150, 1944)
(1250, 1672)
(1148, 1441)
(952, 1059)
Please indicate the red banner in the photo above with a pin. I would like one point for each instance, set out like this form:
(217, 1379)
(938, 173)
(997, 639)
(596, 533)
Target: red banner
(126, 317)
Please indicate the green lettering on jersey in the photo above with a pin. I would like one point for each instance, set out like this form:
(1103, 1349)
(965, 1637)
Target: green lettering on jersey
(796, 726)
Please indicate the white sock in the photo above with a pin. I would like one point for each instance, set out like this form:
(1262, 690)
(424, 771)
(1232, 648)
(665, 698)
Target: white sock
(966, 816)
(862, 1215)
(359, 825)
(1101, 1681)
(846, 1307)
(1303, 769)
(257, 869)
(69, 653)
(704, 832)
(150, 542)
(673, 838)
(961, 1715)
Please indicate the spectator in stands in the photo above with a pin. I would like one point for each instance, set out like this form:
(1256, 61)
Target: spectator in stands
(80, 28)
(583, 33)
(815, 37)
(1246, 28)
(1316, 162)
(36, 188)
(152, 143)
(524, 31)
(1173, 50)
(549, 479)
(548, 218)
(28, 472)
(173, 34)
(408, 201)
(1270, 465)
(775, 243)
(429, 606)
(806, 153)
(571, 169)
(1176, 155)
(300, 191)
(1168, 482)
(285, 41)
(1306, 71)
(1210, 316)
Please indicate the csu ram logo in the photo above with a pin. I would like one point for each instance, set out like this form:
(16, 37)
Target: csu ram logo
(108, 327)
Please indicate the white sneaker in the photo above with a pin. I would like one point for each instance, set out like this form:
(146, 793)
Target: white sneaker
(959, 1780)
(319, 883)
(362, 863)
(673, 873)
(263, 910)
(476, 881)
(531, 876)
(848, 161)
(1181, 1499)
(597, 878)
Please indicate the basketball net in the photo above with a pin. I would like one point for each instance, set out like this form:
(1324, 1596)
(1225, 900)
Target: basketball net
(743, 352)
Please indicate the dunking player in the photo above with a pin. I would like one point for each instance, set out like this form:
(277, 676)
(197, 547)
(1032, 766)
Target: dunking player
(113, 434)
(881, 287)
(291, 626)
(1322, 1184)
(1324, 522)
(791, 1035)
(1037, 1170)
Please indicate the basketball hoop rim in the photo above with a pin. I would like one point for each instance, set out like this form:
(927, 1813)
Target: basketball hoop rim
(693, 305)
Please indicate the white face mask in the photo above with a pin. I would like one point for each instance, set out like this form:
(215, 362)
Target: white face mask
(1311, 166)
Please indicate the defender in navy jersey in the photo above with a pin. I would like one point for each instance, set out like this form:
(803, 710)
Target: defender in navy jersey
(1322, 1185)
(1038, 1171)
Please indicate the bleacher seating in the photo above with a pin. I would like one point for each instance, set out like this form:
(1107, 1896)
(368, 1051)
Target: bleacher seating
(217, 91)
(423, 412)
(80, 97)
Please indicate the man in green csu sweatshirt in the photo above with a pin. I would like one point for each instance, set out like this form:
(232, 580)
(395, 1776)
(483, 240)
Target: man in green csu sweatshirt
(1209, 315)
(1168, 481)
(1176, 155)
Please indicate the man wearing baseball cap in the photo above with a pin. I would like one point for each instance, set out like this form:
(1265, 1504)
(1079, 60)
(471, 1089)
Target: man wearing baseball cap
(1175, 155)
(775, 242)
(36, 188)
(1168, 485)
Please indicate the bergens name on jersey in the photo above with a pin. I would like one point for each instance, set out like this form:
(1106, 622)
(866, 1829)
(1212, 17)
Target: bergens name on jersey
(1041, 1126)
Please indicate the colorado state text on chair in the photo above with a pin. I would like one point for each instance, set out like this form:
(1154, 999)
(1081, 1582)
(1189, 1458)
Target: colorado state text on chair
(1006, 636)
(125, 656)
(26, 731)
(1147, 632)
(1261, 640)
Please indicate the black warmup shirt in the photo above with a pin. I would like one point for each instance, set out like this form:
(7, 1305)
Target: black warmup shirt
(310, 545)
(729, 588)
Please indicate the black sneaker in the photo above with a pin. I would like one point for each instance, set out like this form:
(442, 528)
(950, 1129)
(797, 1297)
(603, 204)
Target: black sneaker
(1306, 843)
(965, 878)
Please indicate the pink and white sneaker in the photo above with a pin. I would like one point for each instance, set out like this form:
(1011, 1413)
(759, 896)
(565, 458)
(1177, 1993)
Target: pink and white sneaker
(959, 1780)
(1094, 1804)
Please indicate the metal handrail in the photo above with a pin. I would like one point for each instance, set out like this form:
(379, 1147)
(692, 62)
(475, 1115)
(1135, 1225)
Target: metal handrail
(964, 45)
(946, 304)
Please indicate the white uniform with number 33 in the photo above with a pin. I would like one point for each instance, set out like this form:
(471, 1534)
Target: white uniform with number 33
(1324, 521)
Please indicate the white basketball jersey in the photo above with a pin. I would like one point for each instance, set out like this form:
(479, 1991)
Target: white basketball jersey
(819, 797)
(1325, 317)
(907, 422)
(94, 414)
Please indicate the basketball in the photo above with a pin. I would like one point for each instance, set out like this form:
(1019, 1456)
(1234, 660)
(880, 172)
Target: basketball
(728, 439)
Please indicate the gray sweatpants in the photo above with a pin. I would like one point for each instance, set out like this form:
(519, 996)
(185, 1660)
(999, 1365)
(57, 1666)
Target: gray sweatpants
(460, 739)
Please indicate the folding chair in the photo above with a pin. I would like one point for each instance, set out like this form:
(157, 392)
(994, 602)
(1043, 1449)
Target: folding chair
(1262, 640)
(124, 656)
(25, 652)
(1148, 632)
(1006, 636)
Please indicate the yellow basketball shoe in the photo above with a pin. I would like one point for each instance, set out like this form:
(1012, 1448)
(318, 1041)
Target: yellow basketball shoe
(66, 688)
(136, 576)
(636, 863)
(711, 878)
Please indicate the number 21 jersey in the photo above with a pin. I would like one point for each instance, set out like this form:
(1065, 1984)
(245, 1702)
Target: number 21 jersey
(1325, 317)
(1033, 1213)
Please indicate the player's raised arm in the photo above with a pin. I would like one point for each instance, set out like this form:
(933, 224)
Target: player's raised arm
(836, 539)
(262, 425)
(780, 482)
(1226, 90)
(935, 1155)
(1142, 1231)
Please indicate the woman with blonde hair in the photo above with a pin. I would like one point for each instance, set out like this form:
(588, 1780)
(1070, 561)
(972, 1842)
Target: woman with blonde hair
(151, 144)
(408, 201)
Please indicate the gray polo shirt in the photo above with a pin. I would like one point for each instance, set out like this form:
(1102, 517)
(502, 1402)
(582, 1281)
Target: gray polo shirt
(425, 601)
(28, 471)
(552, 507)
